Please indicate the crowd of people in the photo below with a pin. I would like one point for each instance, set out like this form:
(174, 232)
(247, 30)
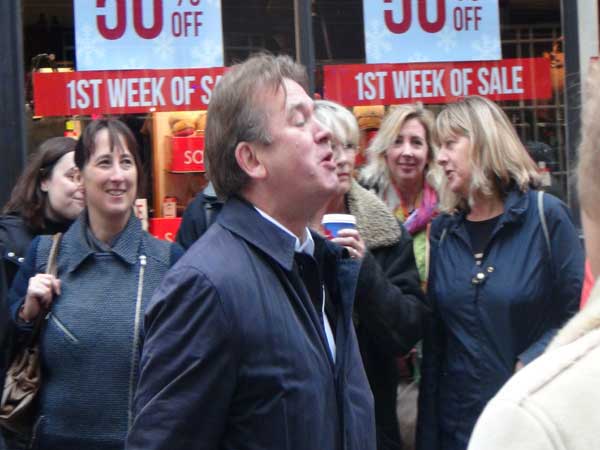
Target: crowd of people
(258, 329)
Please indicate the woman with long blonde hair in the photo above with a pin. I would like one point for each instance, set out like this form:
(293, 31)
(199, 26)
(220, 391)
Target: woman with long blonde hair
(506, 270)
(401, 171)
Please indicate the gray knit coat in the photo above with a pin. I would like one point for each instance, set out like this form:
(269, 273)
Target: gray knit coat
(91, 341)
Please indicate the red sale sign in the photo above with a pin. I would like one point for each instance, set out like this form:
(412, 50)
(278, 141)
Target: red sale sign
(381, 84)
(123, 92)
(187, 154)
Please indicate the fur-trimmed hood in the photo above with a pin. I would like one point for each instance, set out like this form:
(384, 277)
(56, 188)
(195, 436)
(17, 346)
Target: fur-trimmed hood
(587, 320)
(374, 221)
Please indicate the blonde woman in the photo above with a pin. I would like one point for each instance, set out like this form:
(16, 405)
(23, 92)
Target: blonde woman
(563, 382)
(500, 287)
(401, 157)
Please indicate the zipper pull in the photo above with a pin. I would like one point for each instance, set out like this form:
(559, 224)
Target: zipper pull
(143, 260)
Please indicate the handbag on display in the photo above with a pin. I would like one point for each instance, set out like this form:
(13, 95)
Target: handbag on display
(23, 377)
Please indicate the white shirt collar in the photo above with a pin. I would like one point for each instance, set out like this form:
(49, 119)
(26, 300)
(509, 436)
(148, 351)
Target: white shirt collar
(308, 246)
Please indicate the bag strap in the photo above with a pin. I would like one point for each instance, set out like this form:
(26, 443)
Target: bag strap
(51, 269)
(543, 222)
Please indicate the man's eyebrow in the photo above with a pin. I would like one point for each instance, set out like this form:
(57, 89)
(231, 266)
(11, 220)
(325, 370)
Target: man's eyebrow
(297, 106)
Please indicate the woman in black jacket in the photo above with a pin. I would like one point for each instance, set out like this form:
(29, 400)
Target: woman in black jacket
(389, 306)
(47, 198)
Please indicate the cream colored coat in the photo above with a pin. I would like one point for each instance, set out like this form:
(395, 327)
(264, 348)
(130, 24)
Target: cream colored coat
(554, 402)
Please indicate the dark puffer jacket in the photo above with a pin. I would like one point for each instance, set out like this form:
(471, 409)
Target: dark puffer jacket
(389, 307)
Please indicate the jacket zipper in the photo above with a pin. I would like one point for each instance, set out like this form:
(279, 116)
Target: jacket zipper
(62, 327)
(136, 339)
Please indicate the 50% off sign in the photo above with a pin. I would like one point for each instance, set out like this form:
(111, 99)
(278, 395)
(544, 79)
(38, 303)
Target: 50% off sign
(148, 34)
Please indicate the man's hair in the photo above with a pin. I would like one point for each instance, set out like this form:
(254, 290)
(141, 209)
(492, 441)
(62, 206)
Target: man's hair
(588, 183)
(27, 198)
(235, 114)
(377, 172)
(499, 161)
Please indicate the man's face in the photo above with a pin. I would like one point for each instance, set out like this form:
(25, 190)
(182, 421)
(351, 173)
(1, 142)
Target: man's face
(299, 162)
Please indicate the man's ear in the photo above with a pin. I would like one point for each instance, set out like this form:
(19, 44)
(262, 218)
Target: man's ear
(248, 158)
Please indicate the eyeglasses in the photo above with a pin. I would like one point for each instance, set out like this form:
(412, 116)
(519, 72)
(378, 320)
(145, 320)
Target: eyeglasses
(339, 147)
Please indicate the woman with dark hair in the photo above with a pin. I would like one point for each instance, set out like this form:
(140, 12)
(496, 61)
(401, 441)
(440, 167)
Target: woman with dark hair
(46, 199)
(108, 268)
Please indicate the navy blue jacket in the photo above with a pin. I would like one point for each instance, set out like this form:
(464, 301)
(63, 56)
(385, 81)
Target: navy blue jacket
(234, 357)
(487, 317)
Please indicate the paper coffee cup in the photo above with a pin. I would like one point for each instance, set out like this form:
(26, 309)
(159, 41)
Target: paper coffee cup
(333, 223)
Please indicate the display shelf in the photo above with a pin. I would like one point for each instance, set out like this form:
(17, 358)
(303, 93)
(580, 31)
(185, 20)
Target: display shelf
(181, 184)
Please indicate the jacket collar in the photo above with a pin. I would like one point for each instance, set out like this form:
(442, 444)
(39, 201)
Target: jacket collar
(240, 217)
(587, 320)
(376, 224)
(126, 248)
(516, 204)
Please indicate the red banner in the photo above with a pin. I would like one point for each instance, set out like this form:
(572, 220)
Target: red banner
(382, 84)
(123, 91)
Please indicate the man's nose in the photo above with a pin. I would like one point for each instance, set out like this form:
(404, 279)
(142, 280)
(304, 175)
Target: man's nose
(322, 133)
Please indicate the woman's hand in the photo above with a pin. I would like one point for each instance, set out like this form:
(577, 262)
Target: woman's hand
(350, 239)
(40, 292)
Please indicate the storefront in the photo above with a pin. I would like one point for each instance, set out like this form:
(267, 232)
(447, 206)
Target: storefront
(528, 78)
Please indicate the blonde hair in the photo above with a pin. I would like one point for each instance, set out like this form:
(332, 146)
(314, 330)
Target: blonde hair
(498, 159)
(339, 120)
(588, 184)
(376, 172)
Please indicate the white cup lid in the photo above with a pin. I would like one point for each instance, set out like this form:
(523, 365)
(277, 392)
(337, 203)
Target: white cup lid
(339, 218)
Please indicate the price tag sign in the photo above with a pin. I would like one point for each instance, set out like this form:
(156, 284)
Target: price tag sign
(148, 34)
(413, 31)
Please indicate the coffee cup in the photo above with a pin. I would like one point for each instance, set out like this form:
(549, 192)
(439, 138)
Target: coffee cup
(333, 223)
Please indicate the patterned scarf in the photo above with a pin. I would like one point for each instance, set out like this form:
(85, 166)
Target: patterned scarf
(422, 215)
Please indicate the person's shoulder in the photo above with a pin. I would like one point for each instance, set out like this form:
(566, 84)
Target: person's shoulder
(164, 251)
(560, 372)
(14, 231)
(217, 250)
(555, 394)
(441, 224)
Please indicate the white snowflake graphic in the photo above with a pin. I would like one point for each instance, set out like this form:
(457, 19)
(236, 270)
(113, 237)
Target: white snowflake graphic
(164, 47)
(487, 48)
(447, 40)
(208, 54)
(377, 42)
(214, 3)
(88, 46)
(135, 63)
(418, 57)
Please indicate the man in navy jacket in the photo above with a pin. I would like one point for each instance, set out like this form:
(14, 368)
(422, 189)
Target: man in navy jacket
(249, 342)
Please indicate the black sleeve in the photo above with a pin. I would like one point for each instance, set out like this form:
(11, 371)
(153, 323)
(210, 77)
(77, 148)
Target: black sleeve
(4, 315)
(193, 223)
(389, 299)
